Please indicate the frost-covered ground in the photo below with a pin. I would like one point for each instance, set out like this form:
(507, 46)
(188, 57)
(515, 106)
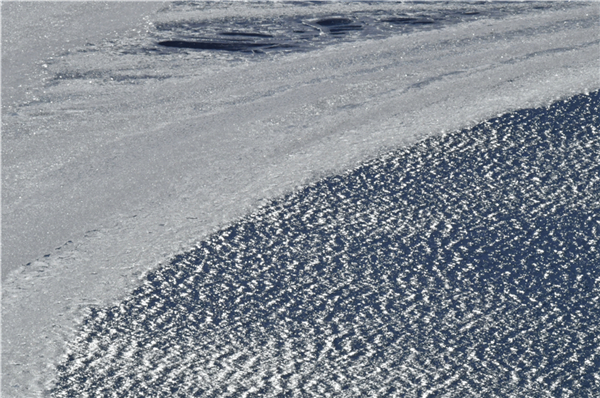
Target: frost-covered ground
(125, 152)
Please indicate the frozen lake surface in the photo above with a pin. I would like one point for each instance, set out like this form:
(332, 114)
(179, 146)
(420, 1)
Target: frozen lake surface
(466, 265)
(121, 150)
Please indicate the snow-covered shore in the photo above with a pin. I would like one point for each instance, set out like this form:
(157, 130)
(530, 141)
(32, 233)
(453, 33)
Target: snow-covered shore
(131, 158)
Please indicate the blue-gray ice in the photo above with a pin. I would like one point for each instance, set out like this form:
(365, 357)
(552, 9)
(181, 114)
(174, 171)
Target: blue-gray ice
(464, 266)
(133, 131)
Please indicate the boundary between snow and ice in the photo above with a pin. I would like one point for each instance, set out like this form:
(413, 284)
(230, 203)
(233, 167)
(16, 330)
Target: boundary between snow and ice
(349, 103)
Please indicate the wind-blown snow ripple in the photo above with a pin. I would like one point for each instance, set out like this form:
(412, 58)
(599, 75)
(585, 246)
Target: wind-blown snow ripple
(465, 265)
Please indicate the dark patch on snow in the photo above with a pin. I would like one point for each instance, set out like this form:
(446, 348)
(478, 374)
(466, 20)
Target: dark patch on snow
(242, 46)
(409, 21)
(245, 34)
(314, 30)
(339, 26)
(333, 22)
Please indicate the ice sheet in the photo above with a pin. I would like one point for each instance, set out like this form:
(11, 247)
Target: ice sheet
(462, 266)
(127, 153)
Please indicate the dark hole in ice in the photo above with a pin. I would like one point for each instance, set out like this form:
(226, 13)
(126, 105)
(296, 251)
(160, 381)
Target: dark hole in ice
(333, 21)
(339, 26)
(221, 45)
(245, 34)
(344, 29)
(409, 21)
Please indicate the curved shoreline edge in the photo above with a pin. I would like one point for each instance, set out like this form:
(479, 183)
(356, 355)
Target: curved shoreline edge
(340, 114)
(431, 263)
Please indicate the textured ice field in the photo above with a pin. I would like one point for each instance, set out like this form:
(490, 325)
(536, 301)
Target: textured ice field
(465, 265)
(121, 151)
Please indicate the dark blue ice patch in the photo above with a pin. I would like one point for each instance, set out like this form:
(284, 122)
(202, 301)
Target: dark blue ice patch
(245, 34)
(242, 46)
(409, 21)
(311, 28)
(329, 22)
(464, 265)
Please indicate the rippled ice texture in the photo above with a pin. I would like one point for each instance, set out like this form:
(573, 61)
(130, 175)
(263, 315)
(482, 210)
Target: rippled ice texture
(119, 152)
(465, 265)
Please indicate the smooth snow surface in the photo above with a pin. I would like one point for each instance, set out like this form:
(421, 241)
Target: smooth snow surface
(125, 152)
(33, 34)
